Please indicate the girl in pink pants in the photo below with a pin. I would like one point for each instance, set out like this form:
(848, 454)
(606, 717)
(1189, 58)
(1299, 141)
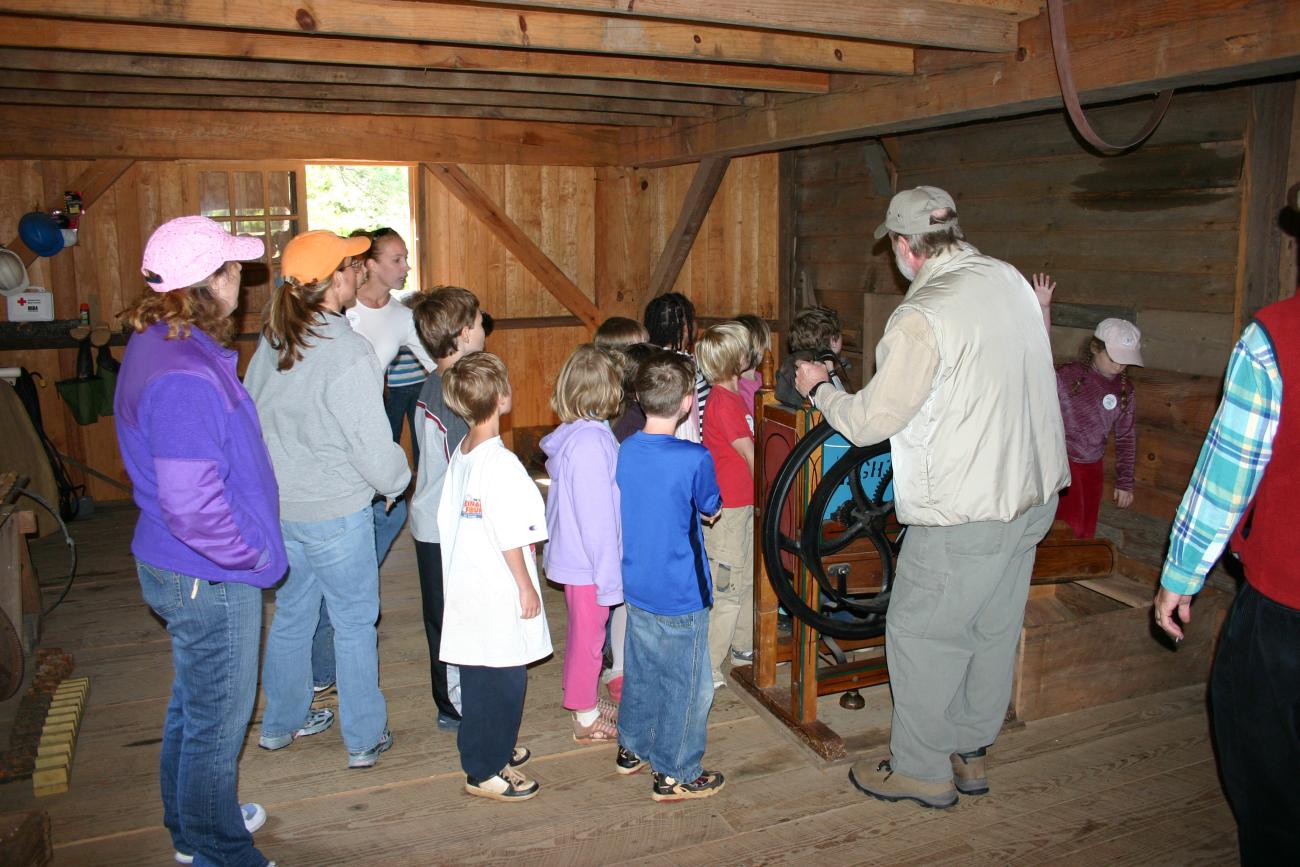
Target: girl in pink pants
(585, 550)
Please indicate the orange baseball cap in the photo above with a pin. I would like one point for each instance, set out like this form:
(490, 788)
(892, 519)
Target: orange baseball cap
(315, 255)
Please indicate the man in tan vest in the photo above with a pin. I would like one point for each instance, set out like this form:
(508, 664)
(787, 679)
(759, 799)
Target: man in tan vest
(966, 394)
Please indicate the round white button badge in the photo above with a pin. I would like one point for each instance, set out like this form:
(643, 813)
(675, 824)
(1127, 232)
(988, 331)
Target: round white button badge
(1109, 401)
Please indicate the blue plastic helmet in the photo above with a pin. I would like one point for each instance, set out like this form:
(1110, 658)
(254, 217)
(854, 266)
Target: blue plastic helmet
(41, 233)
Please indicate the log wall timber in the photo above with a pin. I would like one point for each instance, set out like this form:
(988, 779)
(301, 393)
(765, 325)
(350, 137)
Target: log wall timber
(1151, 236)
(837, 204)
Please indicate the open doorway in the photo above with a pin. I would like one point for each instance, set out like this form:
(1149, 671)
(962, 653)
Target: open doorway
(343, 197)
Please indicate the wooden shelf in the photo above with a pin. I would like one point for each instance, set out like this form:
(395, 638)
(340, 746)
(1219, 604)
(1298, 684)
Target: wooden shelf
(45, 335)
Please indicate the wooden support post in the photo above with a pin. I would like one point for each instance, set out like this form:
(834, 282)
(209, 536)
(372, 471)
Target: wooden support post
(879, 168)
(92, 183)
(1263, 196)
(472, 196)
(704, 186)
(786, 238)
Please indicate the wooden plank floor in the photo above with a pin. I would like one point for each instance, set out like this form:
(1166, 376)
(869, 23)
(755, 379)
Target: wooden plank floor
(1128, 783)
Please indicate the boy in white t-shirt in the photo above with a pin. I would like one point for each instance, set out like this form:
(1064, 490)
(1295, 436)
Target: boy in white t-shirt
(490, 517)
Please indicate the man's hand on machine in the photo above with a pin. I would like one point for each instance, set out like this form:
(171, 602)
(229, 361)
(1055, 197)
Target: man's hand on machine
(808, 374)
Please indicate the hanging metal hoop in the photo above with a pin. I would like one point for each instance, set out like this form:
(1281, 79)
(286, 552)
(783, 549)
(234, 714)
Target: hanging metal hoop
(1070, 92)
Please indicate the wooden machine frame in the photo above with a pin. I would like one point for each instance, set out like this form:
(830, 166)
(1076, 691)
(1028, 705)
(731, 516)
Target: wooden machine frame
(1060, 558)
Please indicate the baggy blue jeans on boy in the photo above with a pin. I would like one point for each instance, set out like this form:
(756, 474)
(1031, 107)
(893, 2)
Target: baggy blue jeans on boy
(333, 559)
(215, 630)
(667, 691)
(387, 527)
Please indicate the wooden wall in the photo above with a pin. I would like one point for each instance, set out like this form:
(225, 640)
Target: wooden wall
(1151, 236)
(604, 228)
(732, 268)
(101, 270)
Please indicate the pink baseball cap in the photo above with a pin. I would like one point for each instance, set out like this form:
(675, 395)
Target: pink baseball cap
(1122, 340)
(183, 251)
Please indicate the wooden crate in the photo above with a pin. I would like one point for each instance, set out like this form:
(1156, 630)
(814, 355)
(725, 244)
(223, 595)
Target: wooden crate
(1089, 643)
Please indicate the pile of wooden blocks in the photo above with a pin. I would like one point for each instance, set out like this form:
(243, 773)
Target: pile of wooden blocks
(59, 737)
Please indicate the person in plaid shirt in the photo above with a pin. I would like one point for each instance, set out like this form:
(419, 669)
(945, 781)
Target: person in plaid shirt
(1244, 487)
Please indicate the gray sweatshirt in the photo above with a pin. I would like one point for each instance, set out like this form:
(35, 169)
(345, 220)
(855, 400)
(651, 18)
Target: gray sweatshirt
(324, 424)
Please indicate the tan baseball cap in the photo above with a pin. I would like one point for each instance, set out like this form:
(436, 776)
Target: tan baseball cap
(909, 212)
(1122, 339)
(314, 255)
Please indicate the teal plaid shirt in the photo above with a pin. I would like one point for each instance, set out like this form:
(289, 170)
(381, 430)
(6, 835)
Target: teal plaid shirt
(1236, 451)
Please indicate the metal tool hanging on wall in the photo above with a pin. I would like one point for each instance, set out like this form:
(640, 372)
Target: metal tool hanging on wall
(1070, 91)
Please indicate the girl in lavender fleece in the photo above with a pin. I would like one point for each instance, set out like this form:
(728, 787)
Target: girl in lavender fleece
(1097, 398)
(585, 550)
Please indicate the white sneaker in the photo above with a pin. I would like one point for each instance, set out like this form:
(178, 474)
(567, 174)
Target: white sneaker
(254, 818)
(508, 785)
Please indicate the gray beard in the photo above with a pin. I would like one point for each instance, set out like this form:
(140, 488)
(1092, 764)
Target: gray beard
(903, 269)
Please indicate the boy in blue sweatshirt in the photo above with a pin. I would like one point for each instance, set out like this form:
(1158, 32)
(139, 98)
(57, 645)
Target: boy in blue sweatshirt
(666, 485)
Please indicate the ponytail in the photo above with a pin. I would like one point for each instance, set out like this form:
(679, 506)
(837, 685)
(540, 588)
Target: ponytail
(670, 321)
(291, 315)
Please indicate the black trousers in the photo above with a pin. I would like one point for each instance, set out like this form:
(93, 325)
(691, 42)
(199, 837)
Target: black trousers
(428, 559)
(493, 703)
(1255, 699)
(399, 406)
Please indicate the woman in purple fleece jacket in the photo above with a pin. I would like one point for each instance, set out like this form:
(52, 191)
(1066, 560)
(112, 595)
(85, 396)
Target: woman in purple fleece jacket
(585, 551)
(208, 538)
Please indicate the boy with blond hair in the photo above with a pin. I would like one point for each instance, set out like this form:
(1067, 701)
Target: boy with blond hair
(490, 518)
(665, 485)
(723, 353)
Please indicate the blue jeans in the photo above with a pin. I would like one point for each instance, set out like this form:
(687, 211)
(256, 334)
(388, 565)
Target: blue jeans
(387, 526)
(667, 691)
(215, 629)
(332, 560)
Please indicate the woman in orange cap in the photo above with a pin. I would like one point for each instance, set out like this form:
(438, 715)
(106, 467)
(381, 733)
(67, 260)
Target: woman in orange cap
(319, 392)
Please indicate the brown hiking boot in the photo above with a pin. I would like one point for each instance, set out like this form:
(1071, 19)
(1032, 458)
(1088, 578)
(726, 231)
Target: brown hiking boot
(876, 778)
(968, 772)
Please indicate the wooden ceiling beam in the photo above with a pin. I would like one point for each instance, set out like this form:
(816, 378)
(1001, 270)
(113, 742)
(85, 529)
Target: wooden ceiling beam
(915, 22)
(456, 63)
(514, 239)
(63, 132)
(70, 81)
(204, 102)
(1120, 48)
(99, 63)
(488, 26)
(1017, 9)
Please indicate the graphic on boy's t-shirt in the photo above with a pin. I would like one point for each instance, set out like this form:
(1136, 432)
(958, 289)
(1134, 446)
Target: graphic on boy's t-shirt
(473, 508)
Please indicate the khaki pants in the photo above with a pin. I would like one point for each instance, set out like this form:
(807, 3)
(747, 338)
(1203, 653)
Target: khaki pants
(730, 546)
(951, 633)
